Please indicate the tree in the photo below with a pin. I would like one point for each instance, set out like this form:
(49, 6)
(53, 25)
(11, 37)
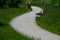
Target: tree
(29, 4)
(1, 24)
(10, 3)
(14, 3)
(44, 5)
(59, 2)
(2, 3)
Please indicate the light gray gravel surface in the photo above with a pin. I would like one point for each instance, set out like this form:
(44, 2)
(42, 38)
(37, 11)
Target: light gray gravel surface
(26, 25)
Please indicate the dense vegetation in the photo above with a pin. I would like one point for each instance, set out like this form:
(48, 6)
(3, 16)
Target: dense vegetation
(10, 3)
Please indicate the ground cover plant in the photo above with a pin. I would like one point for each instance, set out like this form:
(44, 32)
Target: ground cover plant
(50, 20)
(6, 31)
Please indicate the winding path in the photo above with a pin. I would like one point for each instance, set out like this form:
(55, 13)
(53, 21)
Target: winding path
(25, 24)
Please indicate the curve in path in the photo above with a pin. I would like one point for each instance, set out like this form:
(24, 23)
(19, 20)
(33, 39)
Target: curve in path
(25, 24)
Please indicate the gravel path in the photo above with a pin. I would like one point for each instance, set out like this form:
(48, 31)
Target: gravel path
(26, 25)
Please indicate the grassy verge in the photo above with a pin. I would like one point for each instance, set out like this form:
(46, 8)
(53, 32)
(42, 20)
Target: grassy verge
(51, 20)
(6, 32)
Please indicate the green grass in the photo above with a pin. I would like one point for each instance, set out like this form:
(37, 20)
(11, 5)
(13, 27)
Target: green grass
(6, 31)
(50, 20)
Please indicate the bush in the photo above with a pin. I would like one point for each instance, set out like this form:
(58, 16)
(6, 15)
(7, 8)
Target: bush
(1, 24)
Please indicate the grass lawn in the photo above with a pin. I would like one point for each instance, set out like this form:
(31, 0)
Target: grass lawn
(6, 31)
(51, 20)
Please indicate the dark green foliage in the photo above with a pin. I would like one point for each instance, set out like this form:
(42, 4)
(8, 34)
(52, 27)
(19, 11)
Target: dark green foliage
(14, 3)
(1, 24)
(29, 6)
(2, 3)
(10, 3)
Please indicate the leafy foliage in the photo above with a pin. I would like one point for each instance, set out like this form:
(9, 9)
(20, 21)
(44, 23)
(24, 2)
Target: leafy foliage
(10, 3)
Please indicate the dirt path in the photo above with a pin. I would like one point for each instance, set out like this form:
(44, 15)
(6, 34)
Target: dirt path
(26, 25)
